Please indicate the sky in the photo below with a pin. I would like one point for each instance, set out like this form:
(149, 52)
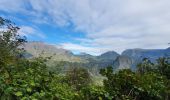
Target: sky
(92, 26)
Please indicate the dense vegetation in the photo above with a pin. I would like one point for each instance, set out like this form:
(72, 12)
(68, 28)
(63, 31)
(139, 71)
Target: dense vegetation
(31, 79)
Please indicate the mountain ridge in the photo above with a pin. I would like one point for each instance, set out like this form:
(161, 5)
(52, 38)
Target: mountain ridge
(46, 50)
(131, 57)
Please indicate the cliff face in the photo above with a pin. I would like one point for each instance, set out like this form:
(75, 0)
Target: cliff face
(122, 62)
(137, 55)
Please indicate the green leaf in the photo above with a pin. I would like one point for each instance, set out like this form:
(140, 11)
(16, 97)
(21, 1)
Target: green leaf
(100, 98)
(29, 89)
(32, 83)
(18, 93)
(24, 98)
(9, 89)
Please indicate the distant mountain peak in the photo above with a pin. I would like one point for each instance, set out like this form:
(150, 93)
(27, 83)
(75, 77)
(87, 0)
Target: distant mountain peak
(168, 48)
(83, 53)
(37, 48)
(109, 53)
(137, 55)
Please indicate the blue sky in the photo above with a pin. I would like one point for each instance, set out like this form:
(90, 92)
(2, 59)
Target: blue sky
(92, 26)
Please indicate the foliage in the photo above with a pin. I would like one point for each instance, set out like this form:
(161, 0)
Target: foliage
(78, 77)
(95, 93)
(26, 79)
(125, 84)
(163, 67)
(145, 66)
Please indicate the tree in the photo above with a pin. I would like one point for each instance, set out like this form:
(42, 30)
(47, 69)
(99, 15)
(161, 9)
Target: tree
(145, 66)
(23, 79)
(126, 84)
(163, 66)
(10, 41)
(9, 47)
(78, 77)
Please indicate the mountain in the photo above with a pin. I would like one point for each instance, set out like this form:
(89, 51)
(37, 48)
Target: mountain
(106, 58)
(128, 59)
(87, 57)
(137, 55)
(93, 63)
(102, 60)
(110, 55)
(46, 50)
(167, 52)
(122, 62)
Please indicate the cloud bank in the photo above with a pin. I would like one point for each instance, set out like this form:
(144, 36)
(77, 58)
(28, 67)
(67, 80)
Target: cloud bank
(107, 24)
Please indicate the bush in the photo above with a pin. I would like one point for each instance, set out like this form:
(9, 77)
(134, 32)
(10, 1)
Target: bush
(125, 84)
(78, 77)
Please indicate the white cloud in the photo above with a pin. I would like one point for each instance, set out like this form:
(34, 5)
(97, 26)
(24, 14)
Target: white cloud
(80, 48)
(27, 31)
(30, 31)
(109, 24)
(11, 5)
